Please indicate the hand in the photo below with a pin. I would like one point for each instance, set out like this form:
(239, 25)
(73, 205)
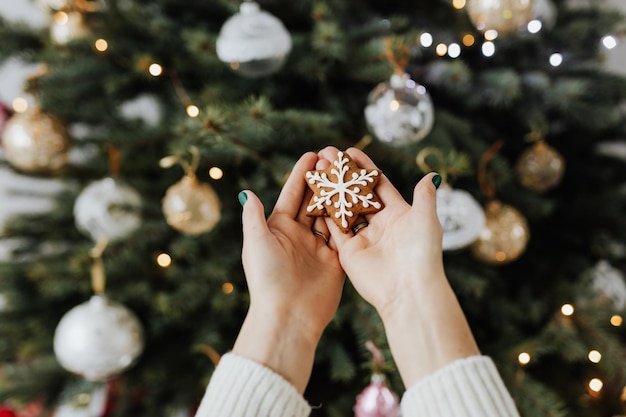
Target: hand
(294, 279)
(396, 264)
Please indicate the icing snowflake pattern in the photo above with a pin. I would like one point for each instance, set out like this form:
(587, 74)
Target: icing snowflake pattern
(344, 194)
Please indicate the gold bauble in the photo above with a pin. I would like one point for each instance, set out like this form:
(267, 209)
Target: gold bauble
(191, 207)
(502, 15)
(36, 142)
(504, 237)
(540, 167)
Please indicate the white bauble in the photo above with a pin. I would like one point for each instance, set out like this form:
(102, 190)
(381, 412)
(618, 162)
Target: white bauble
(98, 339)
(108, 209)
(255, 43)
(461, 217)
(608, 282)
(399, 112)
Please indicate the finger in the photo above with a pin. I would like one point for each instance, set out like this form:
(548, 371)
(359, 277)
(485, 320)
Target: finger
(253, 217)
(384, 189)
(425, 196)
(321, 231)
(291, 196)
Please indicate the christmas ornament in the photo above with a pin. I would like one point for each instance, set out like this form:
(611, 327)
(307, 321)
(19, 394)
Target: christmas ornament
(189, 206)
(36, 142)
(108, 209)
(540, 167)
(343, 191)
(399, 112)
(504, 237)
(503, 15)
(92, 403)
(98, 339)
(461, 217)
(5, 115)
(254, 42)
(608, 282)
(377, 400)
(67, 26)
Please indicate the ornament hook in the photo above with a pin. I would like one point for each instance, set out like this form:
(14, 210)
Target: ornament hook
(378, 360)
(486, 180)
(189, 167)
(98, 276)
(439, 166)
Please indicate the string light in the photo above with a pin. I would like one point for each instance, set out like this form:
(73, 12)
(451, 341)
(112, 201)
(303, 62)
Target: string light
(441, 49)
(101, 45)
(216, 173)
(488, 48)
(458, 4)
(534, 26)
(192, 111)
(491, 35)
(616, 320)
(155, 69)
(426, 39)
(609, 42)
(228, 288)
(20, 105)
(164, 260)
(567, 309)
(454, 50)
(596, 385)
(394, 105)
(469, 40)
(523, 358)
(556, 59)
(594, 356)
(61, 18)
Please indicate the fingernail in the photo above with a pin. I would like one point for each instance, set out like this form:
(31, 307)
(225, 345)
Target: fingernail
(243, 197)
(437, 180)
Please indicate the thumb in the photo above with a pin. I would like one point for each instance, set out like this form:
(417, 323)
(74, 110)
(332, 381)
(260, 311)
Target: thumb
(253, 215)
(424, 194)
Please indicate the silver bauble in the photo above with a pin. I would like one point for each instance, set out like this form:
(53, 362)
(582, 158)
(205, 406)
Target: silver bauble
(98, 339)
(608, 282)
(399, 112)
(461, 217)
(191, 207)
(255, 43)
(502, 15)
(36, 142)
(108, 209)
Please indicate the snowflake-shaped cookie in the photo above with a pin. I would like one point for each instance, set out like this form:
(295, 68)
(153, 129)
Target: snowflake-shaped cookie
(343, 191)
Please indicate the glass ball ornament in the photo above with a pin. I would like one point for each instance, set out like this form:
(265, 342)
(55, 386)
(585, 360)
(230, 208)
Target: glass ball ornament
(505, 16)
(108, 209)
(98, 339)
(377, 400)
(67, 26)
(253, 42)
(36, 142)
(608, 282)
(399, 112)
(504, 237)
(540, 167)
(191, 207)
(462, 218)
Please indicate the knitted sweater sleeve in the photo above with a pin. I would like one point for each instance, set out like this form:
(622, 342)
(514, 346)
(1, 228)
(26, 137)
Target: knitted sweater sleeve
(470, 387)
(241, 387)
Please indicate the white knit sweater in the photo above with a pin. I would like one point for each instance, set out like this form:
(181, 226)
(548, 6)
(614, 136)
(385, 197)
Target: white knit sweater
(468, 387)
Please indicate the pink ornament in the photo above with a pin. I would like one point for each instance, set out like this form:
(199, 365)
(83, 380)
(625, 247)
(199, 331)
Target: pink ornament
(377, 400)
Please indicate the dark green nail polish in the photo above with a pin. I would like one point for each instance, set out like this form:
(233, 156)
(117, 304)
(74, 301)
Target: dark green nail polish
(243, 197)
(437, 180)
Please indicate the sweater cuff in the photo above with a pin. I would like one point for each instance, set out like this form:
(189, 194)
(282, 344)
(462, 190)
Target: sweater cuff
(241, 387)
(470, 387)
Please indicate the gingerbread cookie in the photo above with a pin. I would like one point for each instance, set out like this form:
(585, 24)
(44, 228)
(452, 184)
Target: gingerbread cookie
(343, 191)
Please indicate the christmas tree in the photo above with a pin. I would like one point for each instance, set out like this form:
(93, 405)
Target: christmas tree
(509, 102)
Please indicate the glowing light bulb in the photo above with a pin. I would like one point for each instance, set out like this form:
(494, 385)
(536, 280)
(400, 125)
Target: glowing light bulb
(491, 35)
(469, 40)
(523, 358)
(458, 4)
(192, 111)
(101, 45)
(454, 50)
(228, 288)
(596, 385)
(441, 49)
(155, 69)
(594, 356)
(394, 105)
(534, 26)
(426, 39)
(488, 48)
(20, 105)
(556, 59)
(61, 18)
(216, 173)
(609, 42)
(164, 260)
(616, 320)
(567, 309)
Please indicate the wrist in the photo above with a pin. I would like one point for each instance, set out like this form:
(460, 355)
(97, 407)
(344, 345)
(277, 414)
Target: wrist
(279, 343)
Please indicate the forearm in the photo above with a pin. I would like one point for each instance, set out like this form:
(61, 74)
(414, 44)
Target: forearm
(427, 330)
(279, 344)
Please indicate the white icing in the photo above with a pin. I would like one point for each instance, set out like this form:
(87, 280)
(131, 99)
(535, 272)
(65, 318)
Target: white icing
(348, 191)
